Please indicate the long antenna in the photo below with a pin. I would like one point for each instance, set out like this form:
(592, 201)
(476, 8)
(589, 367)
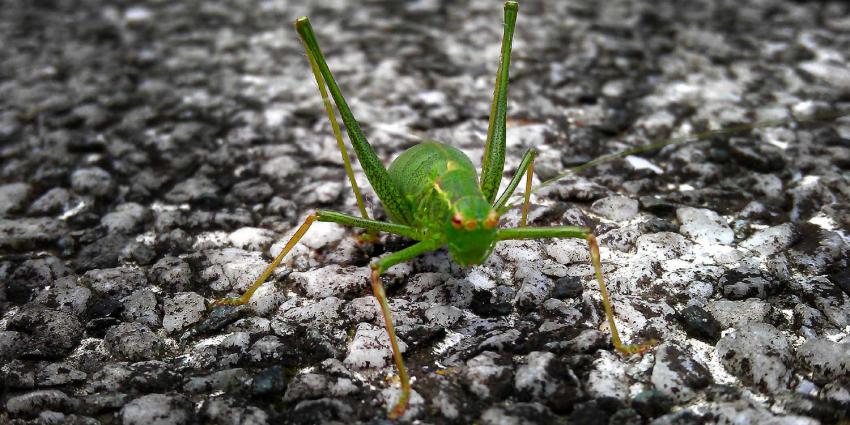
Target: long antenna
(817, 117)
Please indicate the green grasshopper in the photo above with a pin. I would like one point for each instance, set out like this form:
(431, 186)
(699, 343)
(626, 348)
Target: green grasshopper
(434, 196)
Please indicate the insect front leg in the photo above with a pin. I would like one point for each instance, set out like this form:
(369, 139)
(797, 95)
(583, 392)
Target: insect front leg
(378, 267)
(268, 271)
(526, 165)
(320, 215)
(581, 233)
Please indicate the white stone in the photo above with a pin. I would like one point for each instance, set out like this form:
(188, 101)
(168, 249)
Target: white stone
(736, 314)
(232, 269)
(125, 219)
(771, 240)
(332, 280)
(279, 168)
(182, 310)
(444, 316)
(704, 226)
(662, 246)
(251, 238)
(533, 378)
(616, 208)
(325, 311)
(608, 377)
(322, 234)
(266, 299)
(569, 251)
(415, 404)
(12, 197)
(757, 353)
(370, 348)
(156, 409)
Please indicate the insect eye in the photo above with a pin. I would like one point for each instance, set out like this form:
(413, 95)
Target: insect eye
(471, 225)
(457, 221)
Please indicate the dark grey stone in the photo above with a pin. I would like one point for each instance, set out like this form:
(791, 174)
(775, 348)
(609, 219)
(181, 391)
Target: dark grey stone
(33, 403)
(133, 341)
(53, 333)
(700, 324)
(159, 409)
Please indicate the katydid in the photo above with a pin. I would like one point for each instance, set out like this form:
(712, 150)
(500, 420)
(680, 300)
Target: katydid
(433, 195)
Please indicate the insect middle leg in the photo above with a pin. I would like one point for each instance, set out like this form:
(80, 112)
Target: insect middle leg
(320, 215)
(526, 166)
(581, 233)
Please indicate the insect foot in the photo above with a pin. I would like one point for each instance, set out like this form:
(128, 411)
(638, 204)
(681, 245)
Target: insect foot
(626, 349)
(227, 301)
(367, 238)
(640, 349)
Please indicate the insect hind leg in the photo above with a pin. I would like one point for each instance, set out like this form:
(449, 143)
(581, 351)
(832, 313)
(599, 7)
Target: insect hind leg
(346, 162)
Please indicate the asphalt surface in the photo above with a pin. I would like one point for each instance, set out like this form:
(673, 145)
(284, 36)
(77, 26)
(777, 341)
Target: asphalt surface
(155, 155)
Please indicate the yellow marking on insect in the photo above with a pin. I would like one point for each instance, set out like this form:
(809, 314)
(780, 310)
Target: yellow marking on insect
(442, 194)
(451, 166)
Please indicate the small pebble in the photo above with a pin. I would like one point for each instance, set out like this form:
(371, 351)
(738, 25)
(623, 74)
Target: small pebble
(92, 181)
(737, 314)
(181, 310)
(567, 287)
(157, 409)
(825, 359)
(35, 402)
(251, 238)
(700, 324)
(126, 218)
(616, 208)
(54, 201)
(678, 375)
(133, 341)
(489, 375)
(13, 197)
(370, 348)
(759, 354)
(704, 226)
(608, 377)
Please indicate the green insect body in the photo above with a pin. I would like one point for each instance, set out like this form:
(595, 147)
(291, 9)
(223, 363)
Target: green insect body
(434, 196)
(441, 185)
